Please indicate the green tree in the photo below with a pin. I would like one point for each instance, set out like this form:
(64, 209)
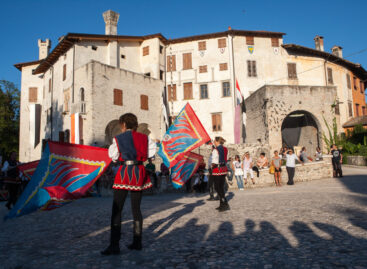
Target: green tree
(9, 117)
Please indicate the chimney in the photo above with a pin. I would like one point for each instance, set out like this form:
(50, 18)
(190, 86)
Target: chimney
(337, 51)
(111, 18)
(319, 42)
(44, 48)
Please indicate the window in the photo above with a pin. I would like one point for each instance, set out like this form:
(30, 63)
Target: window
(172, 93)
(363, 110)
(117, 97)
(357, 110)
(161, 73)
(144, 102)
(147, 74)
(203, 69)
(330, 75)
(223, 66)
(355, 83)
(217, 122)
(171, 63)
(146, 51)
(226, 89)
(67, 100)
(61, 137)
(187, 64)
(123, 56)
(64, 72)
(204, 91)
(251, 69)
(361, 88)
(94, 48)
(292, 71)
(202, 45)
(188, 91)
(274, 42)
(49, 85)
(350, 110)
(160, 49)
(67, 136)
(250, 40)
(82, 95)
(32, 98)
(337, 108)
(222, 43)
(348, 81)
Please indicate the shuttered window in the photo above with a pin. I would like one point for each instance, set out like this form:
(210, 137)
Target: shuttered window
(187, 61)
(348, 82)
(337, 108)
(204, 91)
(222, 43)
(64, 72)
(355, 83)
(171, 63)
(117, 97)
(188, 91)
(61, 137)
(223, 66)
(203, 69)
(251, 69)
(202, 45)
(362, 87)
(217, 122)
(292, 71)
(172, 93)
(350, 109)
(146, 51)
(357, 110)
(144, 102)
(250, 40)
(274, 42)
(67, 100)
(330, 75)
(32, 98)
(226, 89)
(49, 85)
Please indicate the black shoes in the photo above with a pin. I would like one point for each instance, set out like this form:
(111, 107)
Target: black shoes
(111, 250)
(136, 245)
(210, 199)
(224, 206)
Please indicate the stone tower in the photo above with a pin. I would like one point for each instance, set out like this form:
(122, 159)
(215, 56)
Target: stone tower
(44, 48)
(111, 18)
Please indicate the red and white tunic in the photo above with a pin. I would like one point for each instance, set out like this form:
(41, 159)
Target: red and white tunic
(136, 147)
(218, 160)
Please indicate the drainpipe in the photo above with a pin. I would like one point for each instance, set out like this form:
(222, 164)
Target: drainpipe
(73, 73)
(233, 79)
(52, 94)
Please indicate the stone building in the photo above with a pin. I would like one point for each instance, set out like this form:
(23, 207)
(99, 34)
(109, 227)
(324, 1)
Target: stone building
(76, 92)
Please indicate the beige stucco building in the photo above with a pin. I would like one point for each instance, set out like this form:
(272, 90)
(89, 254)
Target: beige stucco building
(76, 92)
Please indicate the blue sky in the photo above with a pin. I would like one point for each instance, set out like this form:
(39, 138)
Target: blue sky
(23, 22)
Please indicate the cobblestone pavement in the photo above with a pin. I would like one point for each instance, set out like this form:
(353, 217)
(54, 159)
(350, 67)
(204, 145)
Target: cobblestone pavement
(317, 224)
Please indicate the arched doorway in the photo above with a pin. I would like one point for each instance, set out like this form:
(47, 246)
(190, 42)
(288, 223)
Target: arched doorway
(300, 128)
(113, 128)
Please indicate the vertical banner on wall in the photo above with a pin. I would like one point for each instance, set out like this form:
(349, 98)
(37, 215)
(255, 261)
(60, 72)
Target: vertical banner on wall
(75, 128)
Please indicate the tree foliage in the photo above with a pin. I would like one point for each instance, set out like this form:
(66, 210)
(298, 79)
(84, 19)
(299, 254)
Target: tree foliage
(9, 117)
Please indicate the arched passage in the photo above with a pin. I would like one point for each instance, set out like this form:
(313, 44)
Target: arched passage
(113, 128)
(300, 128)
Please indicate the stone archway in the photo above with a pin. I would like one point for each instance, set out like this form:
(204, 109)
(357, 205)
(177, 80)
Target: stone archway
(113, 128)
(301, 128)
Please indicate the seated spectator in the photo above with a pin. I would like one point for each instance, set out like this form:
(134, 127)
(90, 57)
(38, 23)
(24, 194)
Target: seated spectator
(318, 154)
(200, 184)
(150, 167)
(262, 162)
(303, 156)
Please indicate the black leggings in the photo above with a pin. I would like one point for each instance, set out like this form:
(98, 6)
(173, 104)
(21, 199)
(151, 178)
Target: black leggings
(219, 186)
(119, 197)
(13, 190)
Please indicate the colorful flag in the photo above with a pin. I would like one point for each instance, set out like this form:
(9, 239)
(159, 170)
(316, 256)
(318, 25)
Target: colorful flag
(237, 115)
(27, 169)
(184, 135)
(183, 170)
(64, 173)
(238, 94)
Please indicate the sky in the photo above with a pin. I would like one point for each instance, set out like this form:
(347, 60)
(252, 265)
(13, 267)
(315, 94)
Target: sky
(22, 23)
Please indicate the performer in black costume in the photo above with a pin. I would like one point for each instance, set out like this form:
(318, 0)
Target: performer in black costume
(12, 179)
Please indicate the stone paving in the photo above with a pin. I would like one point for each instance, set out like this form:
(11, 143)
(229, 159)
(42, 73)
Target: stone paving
(316, 224)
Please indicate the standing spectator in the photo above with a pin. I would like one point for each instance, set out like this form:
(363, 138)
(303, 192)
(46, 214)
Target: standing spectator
(211, 179)
(10, 169)
(283, 151)
(150, 168)
(337, 161)
(238, 171)
(303, 156)
(230, 171)
(165, 172)
(291, 165)
(276, 162)
(247, 167)
(318, 154)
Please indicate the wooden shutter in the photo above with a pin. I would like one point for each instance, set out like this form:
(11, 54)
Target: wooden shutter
(146, 51)
(223, 66)
(171, 63)
(275, 42)
(203, 69)
(350, 109)
(144, 102)
(117, 97)
(348, 82)
(188, 91)
(217, 122)
(250, 40)
(357, 110)
(292, 71)
(253, 64)
(32, 98)
(64, 72)
(202, 45)
(172, 93)
(361, 87)
(249, 69)
(222, 43)
(355, 83)
(330, 75)
(187, 61)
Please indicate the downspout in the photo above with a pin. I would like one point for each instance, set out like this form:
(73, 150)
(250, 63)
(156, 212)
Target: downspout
(52, 94)
(73, 74)
(233, 79)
